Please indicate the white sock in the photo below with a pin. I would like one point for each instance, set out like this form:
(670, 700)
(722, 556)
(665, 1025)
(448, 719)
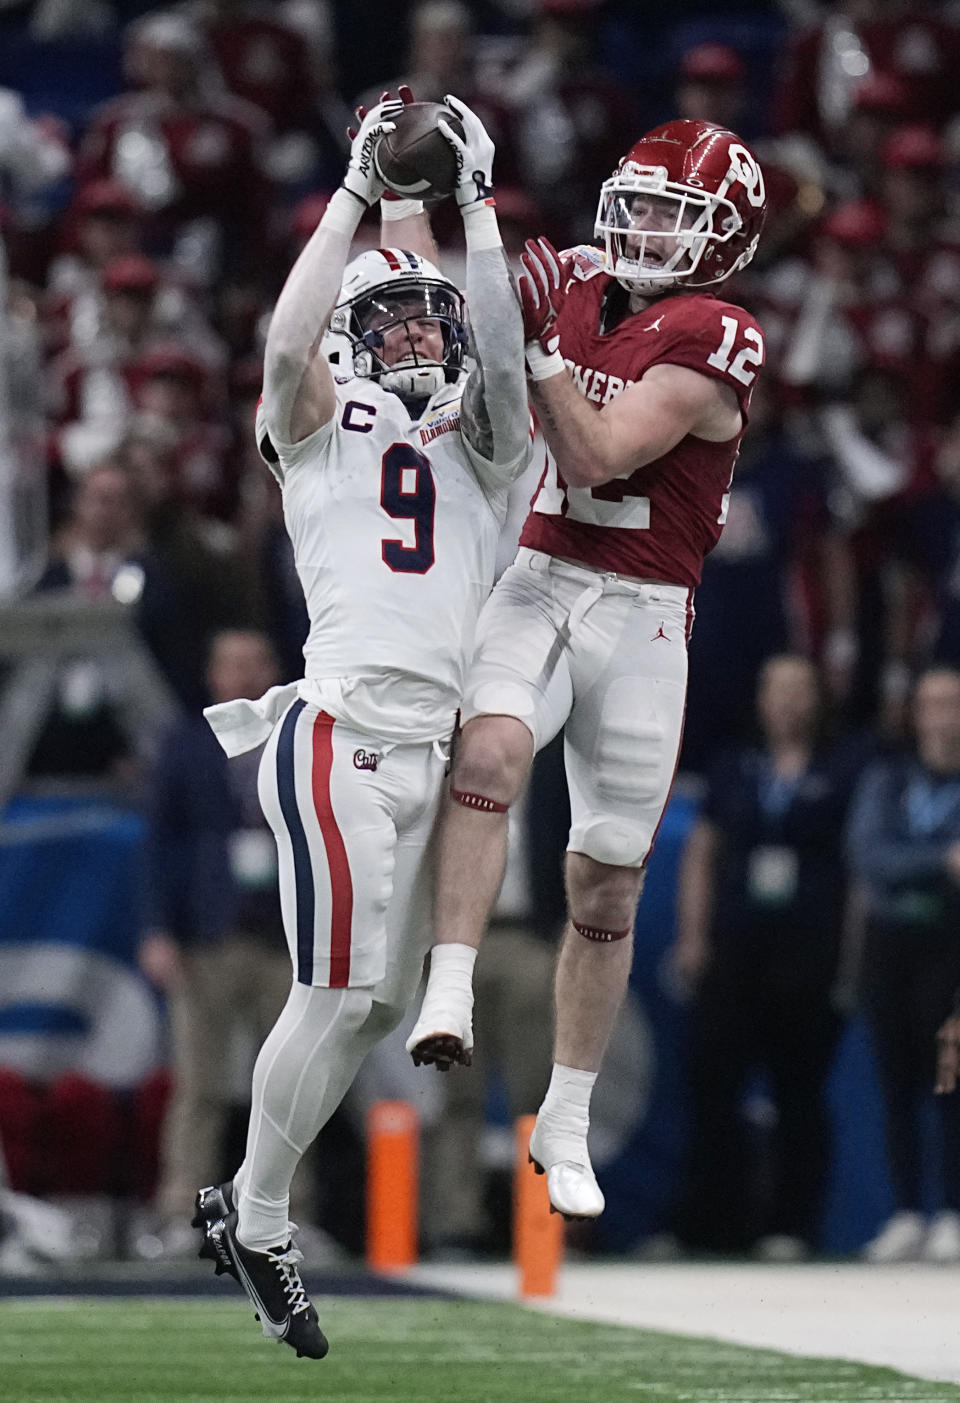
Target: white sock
(451, 968)
(566, 1105)
(308, 1061)
(449, 987)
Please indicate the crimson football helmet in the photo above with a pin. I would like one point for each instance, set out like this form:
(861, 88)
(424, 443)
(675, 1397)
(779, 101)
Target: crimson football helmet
(385, 288)
(684, 207)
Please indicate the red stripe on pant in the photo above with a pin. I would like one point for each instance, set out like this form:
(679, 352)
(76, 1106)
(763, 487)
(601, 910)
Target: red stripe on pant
(341, 883)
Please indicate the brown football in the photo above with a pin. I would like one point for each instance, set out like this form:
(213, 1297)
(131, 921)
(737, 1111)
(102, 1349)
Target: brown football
(416, 160)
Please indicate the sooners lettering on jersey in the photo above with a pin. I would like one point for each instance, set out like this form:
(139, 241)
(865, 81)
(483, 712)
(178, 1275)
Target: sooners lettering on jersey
(659, 522)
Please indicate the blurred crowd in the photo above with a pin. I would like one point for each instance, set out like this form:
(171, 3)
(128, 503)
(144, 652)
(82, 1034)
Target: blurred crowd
(160, 168)
(141, 279)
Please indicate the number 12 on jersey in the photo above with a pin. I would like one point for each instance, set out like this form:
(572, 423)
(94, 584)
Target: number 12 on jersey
(747, 355)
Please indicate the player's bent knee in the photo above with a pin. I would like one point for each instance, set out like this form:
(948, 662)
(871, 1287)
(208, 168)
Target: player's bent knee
(493, 759)
(348, 1009)
(603, 897)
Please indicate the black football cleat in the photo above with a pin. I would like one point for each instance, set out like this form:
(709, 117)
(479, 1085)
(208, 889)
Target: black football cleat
(272, 1283)
(212, 1204)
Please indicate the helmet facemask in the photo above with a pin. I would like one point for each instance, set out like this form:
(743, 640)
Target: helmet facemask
(659, 232)
(405, 311)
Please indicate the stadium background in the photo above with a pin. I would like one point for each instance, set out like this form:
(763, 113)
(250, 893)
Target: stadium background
(81, 1034)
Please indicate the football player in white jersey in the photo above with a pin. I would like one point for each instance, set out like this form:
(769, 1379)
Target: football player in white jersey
(395, 462)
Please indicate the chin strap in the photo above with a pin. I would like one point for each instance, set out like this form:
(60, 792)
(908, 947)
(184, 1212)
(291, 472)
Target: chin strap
(417, 380)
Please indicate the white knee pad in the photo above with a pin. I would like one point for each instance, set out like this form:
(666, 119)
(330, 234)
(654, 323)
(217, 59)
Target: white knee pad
(617, 842)
(499, 697)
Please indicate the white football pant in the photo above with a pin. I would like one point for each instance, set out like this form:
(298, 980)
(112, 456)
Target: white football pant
(606, 657)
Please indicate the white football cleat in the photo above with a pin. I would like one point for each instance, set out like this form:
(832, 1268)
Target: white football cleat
(901, 1239)
(564, 1158)
(942, 1243)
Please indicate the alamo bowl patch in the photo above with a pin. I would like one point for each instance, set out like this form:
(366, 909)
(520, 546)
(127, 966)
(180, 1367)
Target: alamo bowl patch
(440, 421)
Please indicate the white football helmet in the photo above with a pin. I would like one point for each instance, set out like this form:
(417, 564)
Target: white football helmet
(385, 288)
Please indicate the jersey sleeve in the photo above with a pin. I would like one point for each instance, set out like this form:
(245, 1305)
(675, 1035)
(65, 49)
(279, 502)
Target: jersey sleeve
(716, 339)
(280, 457)
(498, 475)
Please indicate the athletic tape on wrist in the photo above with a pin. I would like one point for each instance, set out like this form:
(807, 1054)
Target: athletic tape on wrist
(603, 937)
(343, 212)
(478, 801)
(480, 227)
(543, 365)
(400, 209)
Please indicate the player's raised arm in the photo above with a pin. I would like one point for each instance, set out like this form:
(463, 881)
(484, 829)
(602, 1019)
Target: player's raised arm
(493, 413)
(298, 389)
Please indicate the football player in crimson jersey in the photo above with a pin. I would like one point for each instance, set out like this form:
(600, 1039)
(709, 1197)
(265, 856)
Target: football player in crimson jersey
(395, 461)
(641, 378)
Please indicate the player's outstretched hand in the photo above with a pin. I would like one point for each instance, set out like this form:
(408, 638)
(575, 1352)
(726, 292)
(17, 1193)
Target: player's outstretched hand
(406, 97)
(948, 1055)
(474, 152)
(361, 177)
(543, 287)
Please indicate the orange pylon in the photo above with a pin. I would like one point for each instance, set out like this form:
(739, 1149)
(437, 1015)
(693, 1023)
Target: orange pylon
(392, 1186)
(537, 1233)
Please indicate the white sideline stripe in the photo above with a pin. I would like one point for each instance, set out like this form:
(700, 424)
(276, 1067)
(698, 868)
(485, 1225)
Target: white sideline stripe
(904, 1317)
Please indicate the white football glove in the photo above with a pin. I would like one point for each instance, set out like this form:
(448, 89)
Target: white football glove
(474, 153)
(361, 177)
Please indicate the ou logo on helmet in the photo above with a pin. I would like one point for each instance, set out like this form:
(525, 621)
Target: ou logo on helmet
(743, 167)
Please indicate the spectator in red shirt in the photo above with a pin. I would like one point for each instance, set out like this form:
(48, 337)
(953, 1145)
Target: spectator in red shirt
(186, 147)
(568, 117)
(103, 223)
(175, 387)
(878, 104)
(711, 85)
(826, 61)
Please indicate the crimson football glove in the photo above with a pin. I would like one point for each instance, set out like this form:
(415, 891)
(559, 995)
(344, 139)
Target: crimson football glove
(543, 287)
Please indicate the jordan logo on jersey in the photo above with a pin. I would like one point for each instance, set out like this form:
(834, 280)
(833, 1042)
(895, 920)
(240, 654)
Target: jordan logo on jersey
(660, 634)
(365, 759)
(654, 326)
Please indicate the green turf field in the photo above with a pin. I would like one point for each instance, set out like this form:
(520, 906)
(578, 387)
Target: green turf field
(399, 1351)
